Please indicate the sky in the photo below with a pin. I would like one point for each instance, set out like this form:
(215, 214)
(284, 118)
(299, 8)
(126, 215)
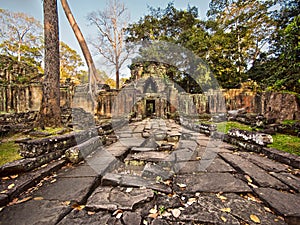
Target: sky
(81, 8)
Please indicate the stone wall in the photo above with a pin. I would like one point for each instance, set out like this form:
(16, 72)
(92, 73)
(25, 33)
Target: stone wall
(24, 98)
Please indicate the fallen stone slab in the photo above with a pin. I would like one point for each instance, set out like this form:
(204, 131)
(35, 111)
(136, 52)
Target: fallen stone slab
(155, 170)
(67, 189)
(13, 187)
(131, 218)
(142, 149)
(102, 161)
(288, 179)
(153, 156)
(264, 162)
(283, 157)
(245, 207)
(125, 180)
(286, 204)
(84, 217)
(216, 165)
(209, 182)
(260, 176)
(78, 171)
(34, 212)
(113, 198)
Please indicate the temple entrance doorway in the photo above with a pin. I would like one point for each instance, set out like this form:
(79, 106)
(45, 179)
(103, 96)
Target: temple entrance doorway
(150, 107)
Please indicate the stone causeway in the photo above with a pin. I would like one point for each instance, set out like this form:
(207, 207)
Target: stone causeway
(161, 173)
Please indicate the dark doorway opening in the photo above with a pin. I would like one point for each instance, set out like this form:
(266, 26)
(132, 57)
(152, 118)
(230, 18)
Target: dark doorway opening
(150, 107)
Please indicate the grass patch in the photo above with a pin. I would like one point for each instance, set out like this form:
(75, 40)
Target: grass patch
(286, 143)
(289, 122)
(226, 126)
(8, 152)
(50, 130)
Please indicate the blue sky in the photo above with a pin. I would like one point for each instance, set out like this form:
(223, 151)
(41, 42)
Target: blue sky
(81, 8)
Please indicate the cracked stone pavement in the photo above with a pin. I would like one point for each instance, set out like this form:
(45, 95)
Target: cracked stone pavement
(159, 173)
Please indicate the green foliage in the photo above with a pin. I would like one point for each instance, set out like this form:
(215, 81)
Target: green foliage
(227, 125)
(70, 64)
(280, 68)
(8, 152)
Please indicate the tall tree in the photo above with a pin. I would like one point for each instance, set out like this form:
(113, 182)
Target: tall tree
(280, 69)
(111, 24)
(92, 73)
(21, 37)
(50, 107)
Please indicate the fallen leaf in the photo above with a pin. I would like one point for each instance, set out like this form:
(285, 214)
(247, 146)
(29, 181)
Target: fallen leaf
(167, 182)
(3, 192)
(23, 200)
(52, 181)
(181, 185)
(119, 215)
(153, 210)
(166, 214)
(5, 178)
(38, 198)
(223, 219)
(90, 213)
(14, 176)
(11, 186)
(129, 190)
(44, 165)
(66, 203)
(248, 178)
(252, 185)
(78, 207)
(191, 201)
(117, 212)
(1, 208)
(228, 210)
(198, 158)
(254, 218)
(223, 198)
(153, 215)
(268, 209)
(176, 212)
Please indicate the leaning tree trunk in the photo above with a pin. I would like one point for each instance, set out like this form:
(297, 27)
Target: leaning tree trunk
(50, 107)
(84, 48)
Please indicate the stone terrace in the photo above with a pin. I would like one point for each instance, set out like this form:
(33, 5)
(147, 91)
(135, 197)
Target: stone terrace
(159, 173)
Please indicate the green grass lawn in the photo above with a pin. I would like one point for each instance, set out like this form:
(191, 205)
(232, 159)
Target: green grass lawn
(283, 142)
(286, 143)
(8, 152)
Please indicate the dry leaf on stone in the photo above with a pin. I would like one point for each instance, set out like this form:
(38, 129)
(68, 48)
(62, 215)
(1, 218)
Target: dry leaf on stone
(66, 203)
(191, 201)
(153, 215)
(176, 212)
(129, 190)
(181, 185)
(268, 209)
(5, 178)
(228, 210)
(3, 192)
(90, 213)
(153, 210)
(223, 198)
(14, 176)
(223, 219)
(78, 207)
(167, 182)
(52, 181)
(38, 198)
(11, 186)
(248, 178)
(254, 218)
(23, 200)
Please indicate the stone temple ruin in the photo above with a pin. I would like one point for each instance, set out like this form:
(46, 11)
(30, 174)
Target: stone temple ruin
(142, 155)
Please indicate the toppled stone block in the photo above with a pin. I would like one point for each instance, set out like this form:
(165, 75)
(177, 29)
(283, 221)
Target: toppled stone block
(250, 136)
(79, 152)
